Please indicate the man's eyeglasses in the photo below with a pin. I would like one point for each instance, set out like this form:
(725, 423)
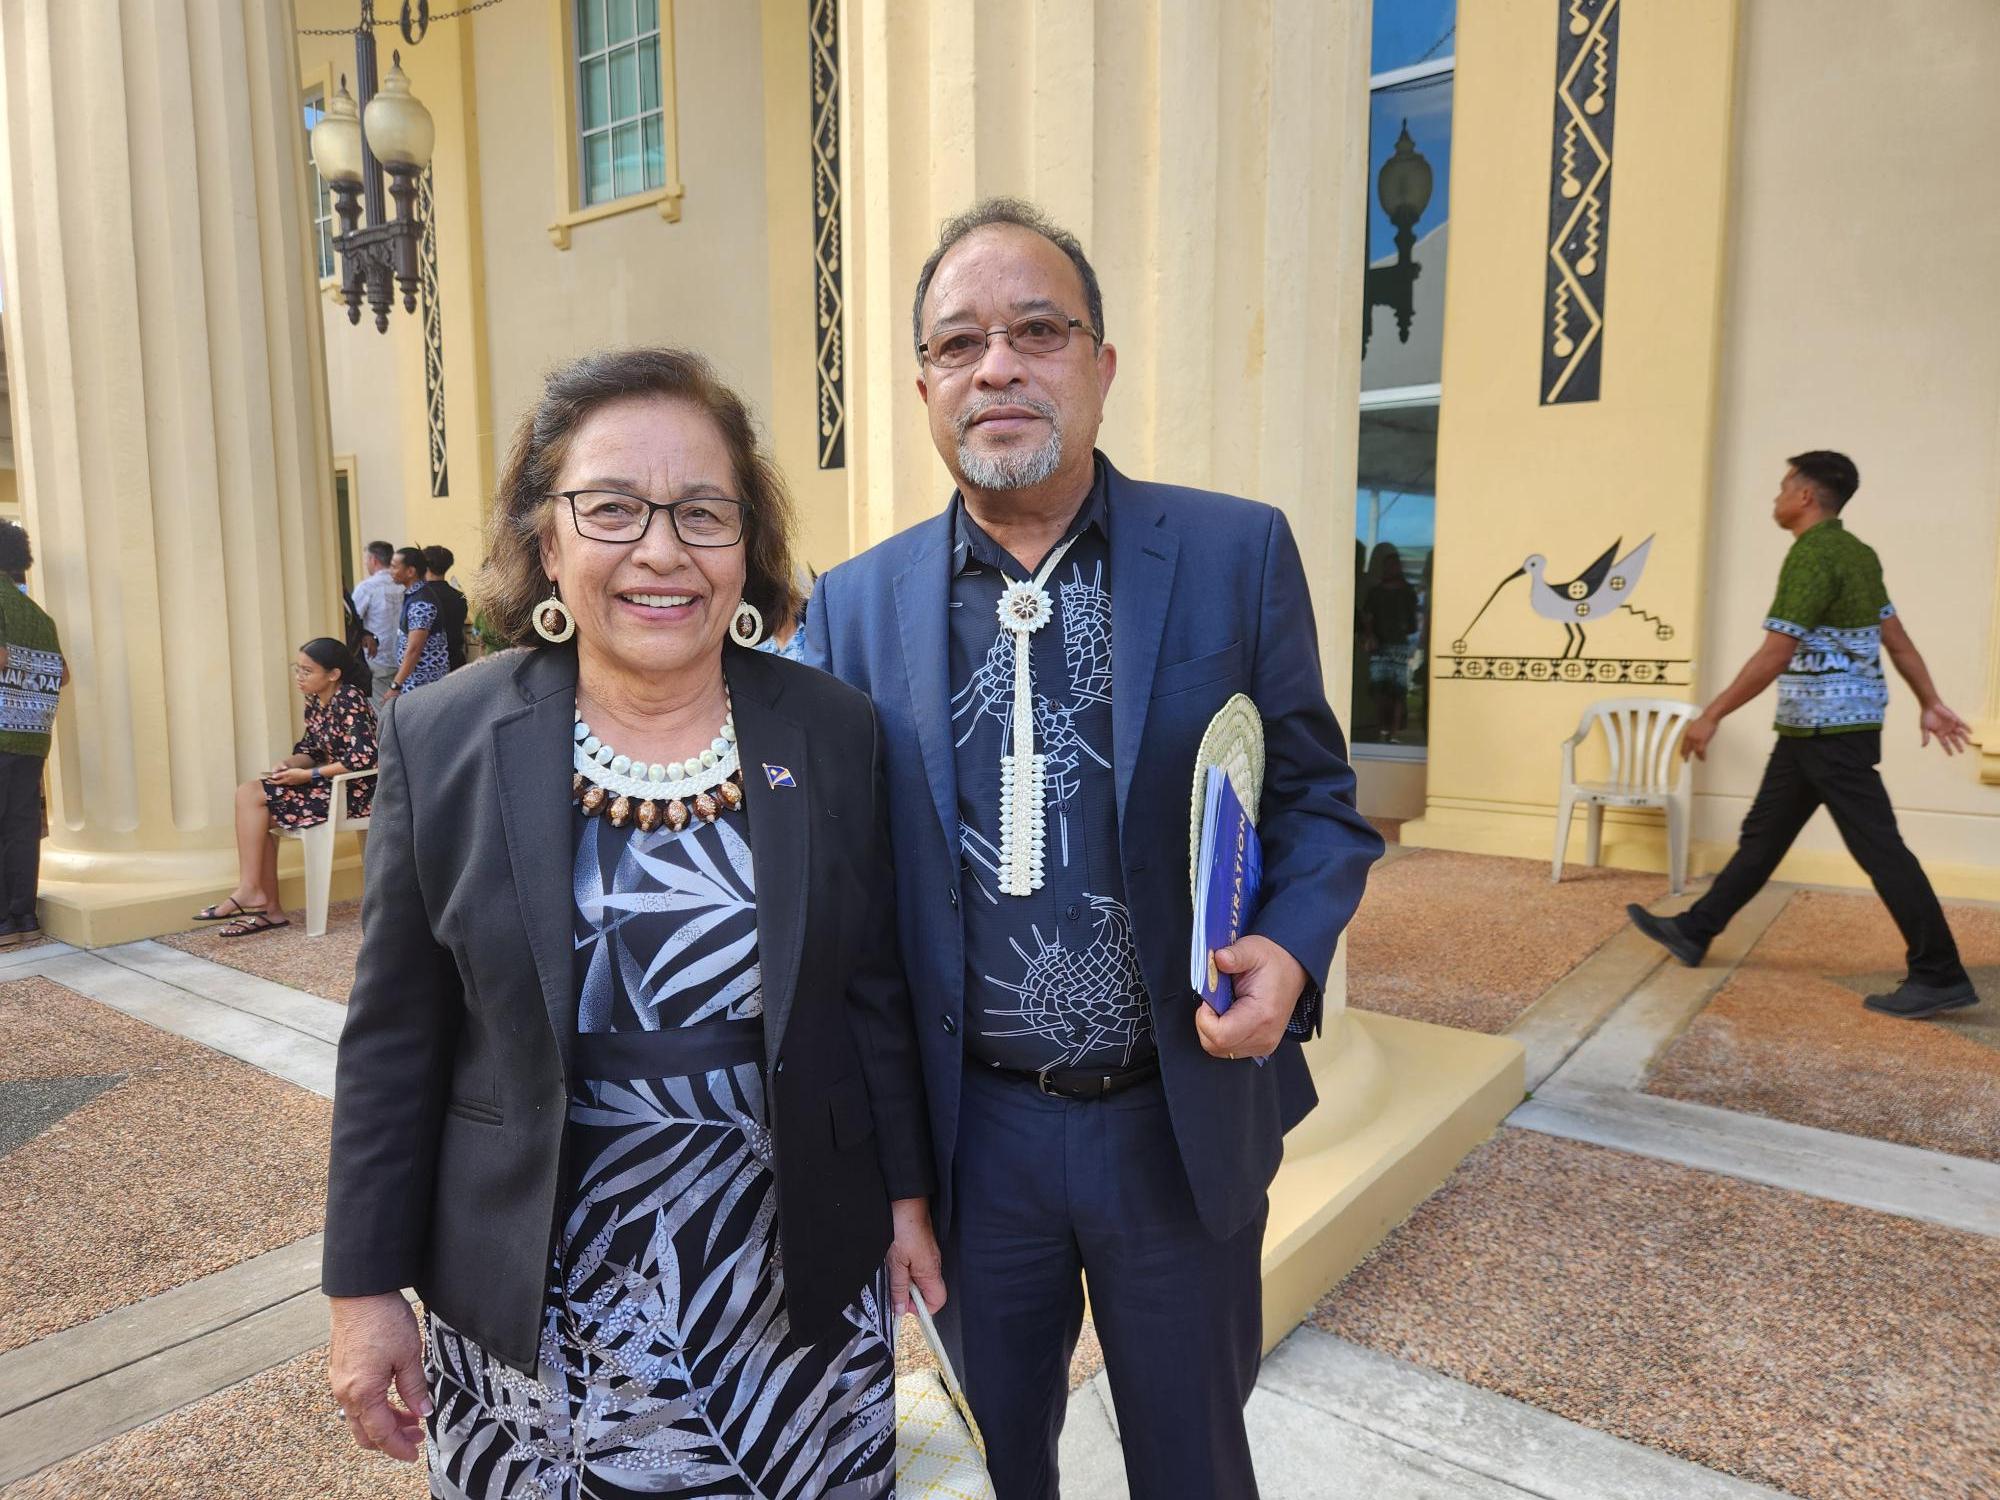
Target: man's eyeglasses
(1038, 333)
(614, 516)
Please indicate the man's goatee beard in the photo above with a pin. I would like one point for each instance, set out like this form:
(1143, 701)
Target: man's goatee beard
(1010, 471)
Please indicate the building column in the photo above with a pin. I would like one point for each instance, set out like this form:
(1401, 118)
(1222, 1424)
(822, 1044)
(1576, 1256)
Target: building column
(164, 343)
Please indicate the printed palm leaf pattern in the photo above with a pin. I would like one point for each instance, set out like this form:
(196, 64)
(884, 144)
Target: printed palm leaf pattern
(667, 1364)
(662, 916)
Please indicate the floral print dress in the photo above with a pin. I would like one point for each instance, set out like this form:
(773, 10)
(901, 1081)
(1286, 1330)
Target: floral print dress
(341, 729)
(668, 1365)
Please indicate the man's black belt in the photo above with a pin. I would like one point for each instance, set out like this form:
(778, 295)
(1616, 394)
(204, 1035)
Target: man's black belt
(1087, 1083)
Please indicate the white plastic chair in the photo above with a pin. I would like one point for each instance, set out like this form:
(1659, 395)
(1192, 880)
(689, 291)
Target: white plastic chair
(317, 845)
(1642, 735)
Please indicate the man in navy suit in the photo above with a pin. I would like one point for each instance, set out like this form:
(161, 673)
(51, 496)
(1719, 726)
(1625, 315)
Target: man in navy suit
(1044, 657)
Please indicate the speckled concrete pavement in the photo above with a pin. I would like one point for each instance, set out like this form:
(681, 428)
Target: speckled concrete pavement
(179, 1162)
(1832, 1352)
(1787, 1036)
(322, 966)
(272, 1437)
(1471, 940)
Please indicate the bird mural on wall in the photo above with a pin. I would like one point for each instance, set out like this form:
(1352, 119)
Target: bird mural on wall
(1606, 584)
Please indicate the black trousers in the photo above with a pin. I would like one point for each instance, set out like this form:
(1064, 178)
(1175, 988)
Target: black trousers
(20, 832)
(1836, 771)
(1054, 1193)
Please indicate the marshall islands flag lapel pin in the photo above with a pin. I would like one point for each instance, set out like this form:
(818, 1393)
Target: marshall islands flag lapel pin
(778, 776)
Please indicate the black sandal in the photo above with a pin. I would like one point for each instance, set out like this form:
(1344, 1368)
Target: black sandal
(214, 912)
(254, 922)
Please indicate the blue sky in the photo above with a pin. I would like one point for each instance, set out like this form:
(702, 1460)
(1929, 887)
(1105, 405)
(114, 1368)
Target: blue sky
(1408, 31)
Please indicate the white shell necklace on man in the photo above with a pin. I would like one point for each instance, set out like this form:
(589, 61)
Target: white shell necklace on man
(652, 794)
(1025, 607)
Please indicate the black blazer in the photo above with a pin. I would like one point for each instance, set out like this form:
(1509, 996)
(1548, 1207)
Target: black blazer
(452, 1087)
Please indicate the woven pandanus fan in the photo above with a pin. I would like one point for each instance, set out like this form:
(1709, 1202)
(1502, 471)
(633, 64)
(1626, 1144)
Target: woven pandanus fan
(1233, 740)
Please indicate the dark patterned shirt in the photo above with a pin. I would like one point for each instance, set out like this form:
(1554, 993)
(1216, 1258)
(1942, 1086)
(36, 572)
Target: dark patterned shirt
(423, 610)
(1832, 601)
(1052, 979)
(32, 679)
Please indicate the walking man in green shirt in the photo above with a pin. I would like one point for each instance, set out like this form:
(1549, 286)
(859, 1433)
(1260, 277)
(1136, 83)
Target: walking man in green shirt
(32, 672)
(1823, 646)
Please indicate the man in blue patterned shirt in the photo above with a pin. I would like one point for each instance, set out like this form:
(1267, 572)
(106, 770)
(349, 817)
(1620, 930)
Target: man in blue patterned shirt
(1823, 645)
(1044, 657)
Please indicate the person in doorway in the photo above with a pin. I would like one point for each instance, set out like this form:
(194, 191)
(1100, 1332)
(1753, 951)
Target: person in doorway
(32, 674)
(1823, 641)
(378, 600)
(1090, 1119)
(1390, 616)
(422, 655)
(298, 791)
(450, 599)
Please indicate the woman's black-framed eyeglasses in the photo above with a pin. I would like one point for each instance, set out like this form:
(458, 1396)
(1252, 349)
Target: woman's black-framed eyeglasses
(614, 516)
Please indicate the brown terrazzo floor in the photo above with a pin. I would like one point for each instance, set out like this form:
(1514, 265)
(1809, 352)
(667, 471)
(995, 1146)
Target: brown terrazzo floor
(1787, 1039)
(274, 1437)
(190, 1162)
(321, 966)
(1830, 1351)
(1471, 940)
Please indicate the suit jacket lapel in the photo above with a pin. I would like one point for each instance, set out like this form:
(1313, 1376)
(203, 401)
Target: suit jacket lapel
(923, 602)
(531, 751)
(1143, 554)
(769, 742)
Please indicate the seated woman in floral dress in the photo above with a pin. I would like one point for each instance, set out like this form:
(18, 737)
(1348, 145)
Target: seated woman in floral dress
(298, 791)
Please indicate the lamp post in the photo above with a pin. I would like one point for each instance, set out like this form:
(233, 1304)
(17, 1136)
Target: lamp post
(1403, 188)
(353, 144)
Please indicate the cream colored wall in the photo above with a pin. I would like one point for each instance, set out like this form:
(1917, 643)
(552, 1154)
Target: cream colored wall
(1516, 477)
(633, 278)
(1863, 314)
(368, 387)
(792, 417)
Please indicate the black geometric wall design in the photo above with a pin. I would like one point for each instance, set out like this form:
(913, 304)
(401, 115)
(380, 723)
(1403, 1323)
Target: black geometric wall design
(427, 282)
(823, 25)
(1579, 200)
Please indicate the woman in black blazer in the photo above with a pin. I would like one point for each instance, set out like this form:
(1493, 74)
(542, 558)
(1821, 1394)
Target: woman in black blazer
(629, 1090)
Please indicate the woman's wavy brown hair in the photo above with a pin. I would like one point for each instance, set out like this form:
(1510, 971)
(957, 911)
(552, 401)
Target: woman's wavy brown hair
(512, 582)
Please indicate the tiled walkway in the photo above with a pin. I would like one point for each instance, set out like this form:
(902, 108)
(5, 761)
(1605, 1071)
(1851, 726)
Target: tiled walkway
(1668, 1276)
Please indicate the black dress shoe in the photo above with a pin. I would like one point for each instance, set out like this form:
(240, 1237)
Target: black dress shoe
(1667, 933)
(1912, 1001)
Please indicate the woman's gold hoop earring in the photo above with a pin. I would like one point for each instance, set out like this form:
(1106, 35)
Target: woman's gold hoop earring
(747, 628)
(553, 621)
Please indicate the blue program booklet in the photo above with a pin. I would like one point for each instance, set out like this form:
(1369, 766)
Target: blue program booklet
(1229, 869)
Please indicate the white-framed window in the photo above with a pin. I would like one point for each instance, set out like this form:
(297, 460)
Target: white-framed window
(314, 110)
(1395, 508)
(620, 115)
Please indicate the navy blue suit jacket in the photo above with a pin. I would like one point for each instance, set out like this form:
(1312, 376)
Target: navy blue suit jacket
(1208, 599)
